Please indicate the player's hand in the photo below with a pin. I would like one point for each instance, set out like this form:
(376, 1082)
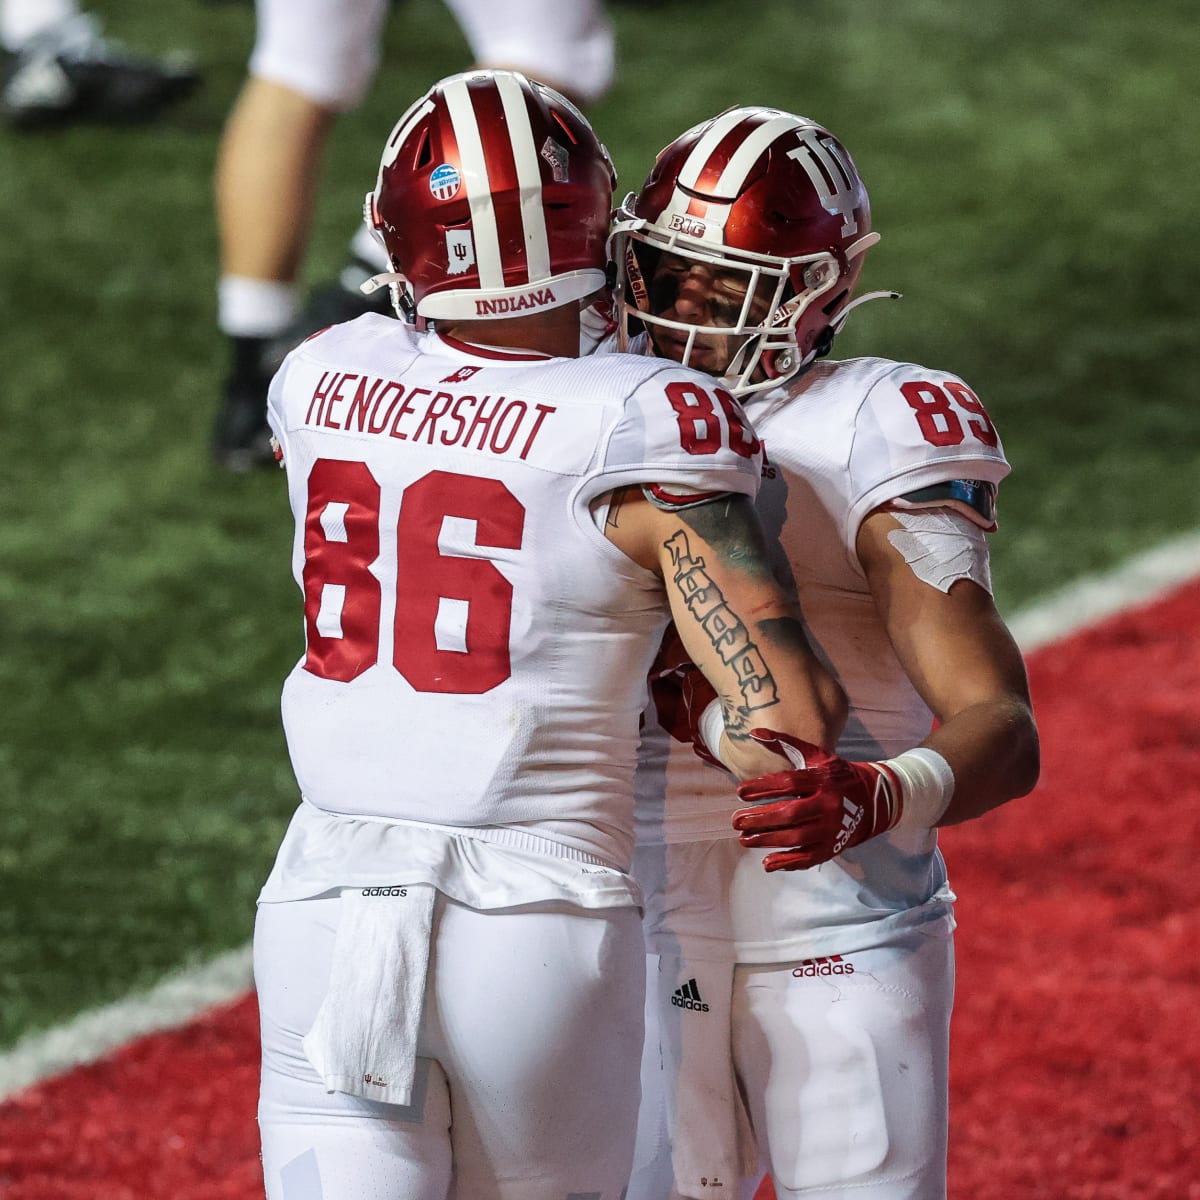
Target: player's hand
(681, 694)
(816, 811)
(597, 322)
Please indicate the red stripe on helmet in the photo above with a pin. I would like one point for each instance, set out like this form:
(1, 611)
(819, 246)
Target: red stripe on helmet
(496, 138)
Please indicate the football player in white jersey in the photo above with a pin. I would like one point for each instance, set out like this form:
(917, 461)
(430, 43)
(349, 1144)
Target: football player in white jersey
(491, 535)
(800, 990)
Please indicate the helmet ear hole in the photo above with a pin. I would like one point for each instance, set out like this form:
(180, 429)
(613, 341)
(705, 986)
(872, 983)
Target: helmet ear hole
(824, 342)
(832, 307)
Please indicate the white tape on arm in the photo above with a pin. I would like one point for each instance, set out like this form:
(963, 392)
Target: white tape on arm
(942, 547)
(710, 728)
(928, 785)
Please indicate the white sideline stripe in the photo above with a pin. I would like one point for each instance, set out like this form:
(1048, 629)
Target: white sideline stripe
(186, 995)
(1091, 598)
(179, 998)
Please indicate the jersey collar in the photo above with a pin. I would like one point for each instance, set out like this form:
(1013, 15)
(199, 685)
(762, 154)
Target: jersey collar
(495, 353)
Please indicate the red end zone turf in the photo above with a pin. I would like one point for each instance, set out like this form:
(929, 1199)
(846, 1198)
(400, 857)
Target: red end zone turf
(1076, 1047)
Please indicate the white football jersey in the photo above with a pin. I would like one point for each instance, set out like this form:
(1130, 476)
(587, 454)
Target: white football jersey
(839, 441)
(476, 649)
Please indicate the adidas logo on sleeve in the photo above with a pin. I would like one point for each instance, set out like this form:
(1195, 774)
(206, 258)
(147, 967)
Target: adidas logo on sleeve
(688, 996)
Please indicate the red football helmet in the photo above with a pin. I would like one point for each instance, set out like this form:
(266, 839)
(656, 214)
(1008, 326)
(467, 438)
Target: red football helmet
(763, 197)
(493, 200)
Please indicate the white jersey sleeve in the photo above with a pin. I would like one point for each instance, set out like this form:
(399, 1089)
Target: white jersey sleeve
(917, 428)
(679, 429)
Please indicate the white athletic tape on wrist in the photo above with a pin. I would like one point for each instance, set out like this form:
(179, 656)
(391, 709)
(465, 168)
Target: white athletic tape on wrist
(710, 727)
(928, 785)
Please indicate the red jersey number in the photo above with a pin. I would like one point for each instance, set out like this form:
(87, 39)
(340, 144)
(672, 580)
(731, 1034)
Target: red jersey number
(342, 538)
(701, 430)
(937, 410)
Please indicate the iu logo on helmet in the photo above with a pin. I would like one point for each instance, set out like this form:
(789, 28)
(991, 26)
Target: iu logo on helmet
(832, 176)
(444, 182)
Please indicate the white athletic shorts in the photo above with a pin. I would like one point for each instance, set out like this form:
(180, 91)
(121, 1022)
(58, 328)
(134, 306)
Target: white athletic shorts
(841, 1061)
(527, 1071)
(328, 50)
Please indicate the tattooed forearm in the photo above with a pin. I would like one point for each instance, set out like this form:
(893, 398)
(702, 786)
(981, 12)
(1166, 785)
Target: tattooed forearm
(727, 632)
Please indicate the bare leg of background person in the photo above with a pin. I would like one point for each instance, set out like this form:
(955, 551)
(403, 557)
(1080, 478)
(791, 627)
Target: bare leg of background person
(268, 168)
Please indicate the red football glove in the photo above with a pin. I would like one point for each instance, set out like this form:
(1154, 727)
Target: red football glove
(817, 811)
(681, 693)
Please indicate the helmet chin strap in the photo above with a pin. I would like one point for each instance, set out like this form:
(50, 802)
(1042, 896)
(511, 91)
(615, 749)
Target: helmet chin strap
(745, 361)
(402, 300)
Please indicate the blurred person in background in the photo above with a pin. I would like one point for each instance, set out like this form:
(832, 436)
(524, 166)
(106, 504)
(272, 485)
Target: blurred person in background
(800, 984)
(313, 60)
(490, 535)
(58, 67)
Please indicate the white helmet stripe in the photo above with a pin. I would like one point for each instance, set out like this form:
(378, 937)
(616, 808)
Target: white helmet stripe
(529, 177)
(689, 173)
(733, 177)
(748, 153)
(475, 179)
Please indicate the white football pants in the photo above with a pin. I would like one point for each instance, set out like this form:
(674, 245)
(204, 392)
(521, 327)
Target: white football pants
(527, 1070)
(328, 50)
(843, 1066)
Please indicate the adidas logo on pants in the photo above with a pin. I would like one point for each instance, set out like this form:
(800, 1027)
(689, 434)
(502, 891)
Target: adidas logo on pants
(688, 996)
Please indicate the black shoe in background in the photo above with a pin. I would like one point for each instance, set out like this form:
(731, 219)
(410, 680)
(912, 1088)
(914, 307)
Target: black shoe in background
(241, 436)
(341, 300)
(71, 72)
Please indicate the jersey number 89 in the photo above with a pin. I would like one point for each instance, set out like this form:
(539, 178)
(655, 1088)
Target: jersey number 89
(941, 424)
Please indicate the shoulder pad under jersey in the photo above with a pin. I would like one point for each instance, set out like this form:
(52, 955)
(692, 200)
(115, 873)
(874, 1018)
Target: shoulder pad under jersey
(974, 498)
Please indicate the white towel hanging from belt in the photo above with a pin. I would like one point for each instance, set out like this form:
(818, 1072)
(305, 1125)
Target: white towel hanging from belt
(364, 1039)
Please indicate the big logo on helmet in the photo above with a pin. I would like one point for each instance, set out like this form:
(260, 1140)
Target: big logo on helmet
(682, 223)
